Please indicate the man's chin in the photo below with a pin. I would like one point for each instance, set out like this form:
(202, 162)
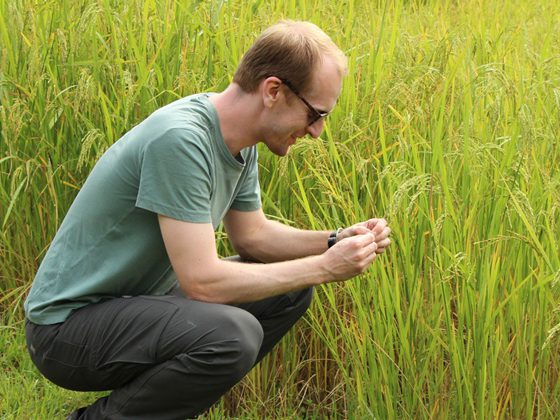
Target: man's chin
(282, 153)
(279, 151)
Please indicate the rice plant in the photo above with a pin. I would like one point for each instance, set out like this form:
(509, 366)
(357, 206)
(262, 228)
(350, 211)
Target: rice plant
(447, 126)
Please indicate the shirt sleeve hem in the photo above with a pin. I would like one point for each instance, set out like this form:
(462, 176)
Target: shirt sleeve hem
(175, 213)
(241, 206)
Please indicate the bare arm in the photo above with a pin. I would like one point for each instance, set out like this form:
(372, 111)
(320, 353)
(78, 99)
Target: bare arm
(204, 276)
(254, 237)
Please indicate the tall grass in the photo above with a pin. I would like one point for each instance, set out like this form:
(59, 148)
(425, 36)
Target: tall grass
(448, 126)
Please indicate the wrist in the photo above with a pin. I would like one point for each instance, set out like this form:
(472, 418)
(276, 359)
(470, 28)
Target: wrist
(333, 237)
(325, 272)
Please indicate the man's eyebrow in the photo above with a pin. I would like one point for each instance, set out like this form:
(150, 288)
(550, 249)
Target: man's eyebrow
(330, 110)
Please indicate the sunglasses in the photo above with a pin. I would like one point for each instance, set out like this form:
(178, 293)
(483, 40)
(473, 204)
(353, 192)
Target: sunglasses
(314, 114)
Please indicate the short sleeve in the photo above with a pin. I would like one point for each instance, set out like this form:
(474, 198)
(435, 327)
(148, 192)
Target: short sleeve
(248, 197)
(175, 177)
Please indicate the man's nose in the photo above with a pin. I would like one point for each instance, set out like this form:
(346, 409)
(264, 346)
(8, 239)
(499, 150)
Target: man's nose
(315, 129)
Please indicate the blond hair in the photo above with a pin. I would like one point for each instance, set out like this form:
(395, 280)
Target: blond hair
(289, 50)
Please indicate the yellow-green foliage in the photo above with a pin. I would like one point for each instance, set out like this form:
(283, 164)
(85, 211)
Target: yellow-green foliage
(448, 125)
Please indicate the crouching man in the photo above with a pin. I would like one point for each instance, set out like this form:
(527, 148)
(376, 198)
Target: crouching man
(132, 295)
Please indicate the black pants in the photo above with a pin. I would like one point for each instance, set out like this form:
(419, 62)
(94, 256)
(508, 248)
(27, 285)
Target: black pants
(165, 357)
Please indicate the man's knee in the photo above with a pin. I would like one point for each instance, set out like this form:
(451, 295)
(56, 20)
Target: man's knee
(306, 297)
(228, 339)
(243, 337)
(301, 300)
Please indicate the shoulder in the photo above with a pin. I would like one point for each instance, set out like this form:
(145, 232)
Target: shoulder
(190, 119)
(192, 110)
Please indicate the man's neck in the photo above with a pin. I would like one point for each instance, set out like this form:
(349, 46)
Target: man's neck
(238, 113)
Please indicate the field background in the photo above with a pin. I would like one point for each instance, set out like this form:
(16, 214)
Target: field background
(448, 126)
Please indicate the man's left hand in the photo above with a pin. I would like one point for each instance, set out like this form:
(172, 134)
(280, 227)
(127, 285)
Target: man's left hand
(377, 226)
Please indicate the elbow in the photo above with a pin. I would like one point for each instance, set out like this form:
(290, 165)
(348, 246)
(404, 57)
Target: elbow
(200, 292)
(192, 290)
(247, 256)
(247, 252)
(201, 287)
(243, 251)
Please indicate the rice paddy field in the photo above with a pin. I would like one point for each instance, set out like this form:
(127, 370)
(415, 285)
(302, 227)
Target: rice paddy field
(448, 126)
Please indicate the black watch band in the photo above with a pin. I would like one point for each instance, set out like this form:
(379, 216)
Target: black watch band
(332, 237)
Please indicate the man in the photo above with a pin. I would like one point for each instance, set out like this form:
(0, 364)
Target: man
(132, 295)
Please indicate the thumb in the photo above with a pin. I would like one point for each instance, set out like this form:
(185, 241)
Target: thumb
(367, 238)
(360, 230)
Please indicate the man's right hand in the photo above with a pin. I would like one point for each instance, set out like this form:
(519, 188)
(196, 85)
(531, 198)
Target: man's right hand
(351, 256)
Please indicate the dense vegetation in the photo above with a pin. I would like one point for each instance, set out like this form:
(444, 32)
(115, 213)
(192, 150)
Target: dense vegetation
(448, 126)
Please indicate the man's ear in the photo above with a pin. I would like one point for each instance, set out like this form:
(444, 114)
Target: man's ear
(270, 90)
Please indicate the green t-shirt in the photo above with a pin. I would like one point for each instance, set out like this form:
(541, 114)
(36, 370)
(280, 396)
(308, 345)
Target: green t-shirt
(174, 163)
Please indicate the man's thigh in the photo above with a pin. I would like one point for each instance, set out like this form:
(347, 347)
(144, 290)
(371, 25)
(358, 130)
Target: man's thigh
(103, 346)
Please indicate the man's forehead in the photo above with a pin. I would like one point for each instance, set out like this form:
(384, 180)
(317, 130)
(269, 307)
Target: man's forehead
(326, 87)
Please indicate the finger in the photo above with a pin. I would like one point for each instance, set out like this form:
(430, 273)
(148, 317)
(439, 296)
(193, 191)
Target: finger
(384, 243)
(367, 255)
(359, 230)
(384, 234)
(369, 238)
(370, 258)
(372, 248)
(371, 223)
(365, 240)
(380, 226)
(382, 246)
(359, 240)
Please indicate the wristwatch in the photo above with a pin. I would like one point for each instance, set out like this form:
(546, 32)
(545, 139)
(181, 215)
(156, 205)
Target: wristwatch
(332, 237)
